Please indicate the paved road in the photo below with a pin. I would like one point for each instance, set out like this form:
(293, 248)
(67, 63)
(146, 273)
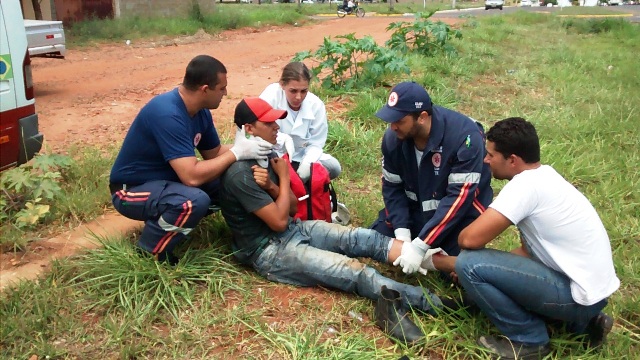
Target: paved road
(628, 12)
(634, 10)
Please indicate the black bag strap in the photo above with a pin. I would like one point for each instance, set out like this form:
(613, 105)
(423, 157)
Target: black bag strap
(334, 198)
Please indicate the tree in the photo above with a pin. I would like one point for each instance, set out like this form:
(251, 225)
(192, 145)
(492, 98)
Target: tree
(36, 9)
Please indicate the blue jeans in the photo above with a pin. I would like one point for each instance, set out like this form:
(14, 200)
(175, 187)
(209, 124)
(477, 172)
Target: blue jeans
(317, 253)
(518, 294)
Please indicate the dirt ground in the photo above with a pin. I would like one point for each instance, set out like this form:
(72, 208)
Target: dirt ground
(93, 95)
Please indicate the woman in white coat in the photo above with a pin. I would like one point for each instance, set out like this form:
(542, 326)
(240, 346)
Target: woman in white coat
(303, 132)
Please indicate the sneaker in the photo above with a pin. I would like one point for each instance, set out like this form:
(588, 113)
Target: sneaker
(597, 330)
(167, 257)
(506, 349)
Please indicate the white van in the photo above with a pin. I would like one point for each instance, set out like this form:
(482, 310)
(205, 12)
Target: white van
(20, 139)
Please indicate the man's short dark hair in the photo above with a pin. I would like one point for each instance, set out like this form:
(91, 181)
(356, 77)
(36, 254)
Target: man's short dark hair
(516, 136)
(203, 70)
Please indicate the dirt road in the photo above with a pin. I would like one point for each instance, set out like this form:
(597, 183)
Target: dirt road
(93, 95)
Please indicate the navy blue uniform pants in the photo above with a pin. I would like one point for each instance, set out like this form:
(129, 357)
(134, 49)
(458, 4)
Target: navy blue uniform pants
(169, 209)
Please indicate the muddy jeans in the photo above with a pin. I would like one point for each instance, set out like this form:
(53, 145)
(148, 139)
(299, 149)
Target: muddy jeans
(317, 253)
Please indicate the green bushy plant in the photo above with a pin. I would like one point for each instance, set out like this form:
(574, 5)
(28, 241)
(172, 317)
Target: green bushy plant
(422, 36)
(353, 62)
(29, 190)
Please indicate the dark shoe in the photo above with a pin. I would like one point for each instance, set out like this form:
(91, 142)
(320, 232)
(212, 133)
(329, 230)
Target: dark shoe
(393, 319)
(506, 349)
(598, 329)
(167, 257)
(452, 306)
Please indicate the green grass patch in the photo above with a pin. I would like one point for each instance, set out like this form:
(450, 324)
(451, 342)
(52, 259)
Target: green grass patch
(578, 88)
(226, 16)
(587, 10)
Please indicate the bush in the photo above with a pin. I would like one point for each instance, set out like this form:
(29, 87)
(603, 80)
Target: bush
(423, 36)
(595, 26)
(27, 194)
(353, 62)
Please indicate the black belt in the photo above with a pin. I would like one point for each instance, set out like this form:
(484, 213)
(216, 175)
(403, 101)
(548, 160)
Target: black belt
(113, 188)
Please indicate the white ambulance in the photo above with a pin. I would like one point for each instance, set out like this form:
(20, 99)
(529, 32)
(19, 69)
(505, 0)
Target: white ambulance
(20, 139)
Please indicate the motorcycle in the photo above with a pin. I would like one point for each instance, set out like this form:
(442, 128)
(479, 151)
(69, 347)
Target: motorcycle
(357, 10)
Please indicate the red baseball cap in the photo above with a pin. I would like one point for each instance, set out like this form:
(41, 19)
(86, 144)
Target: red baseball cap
(253, 109)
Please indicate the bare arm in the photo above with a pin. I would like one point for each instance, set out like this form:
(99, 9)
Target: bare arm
(484, 229)
(444, 263)
(216, 161)
(194, 172)
(276, 214)
(261, 176)
(219, 150)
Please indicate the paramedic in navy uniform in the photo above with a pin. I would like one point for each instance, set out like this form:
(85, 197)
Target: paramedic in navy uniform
(157, 177)
(434, 181)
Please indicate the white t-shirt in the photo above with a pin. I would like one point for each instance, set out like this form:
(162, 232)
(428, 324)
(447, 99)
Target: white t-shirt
(562, 229)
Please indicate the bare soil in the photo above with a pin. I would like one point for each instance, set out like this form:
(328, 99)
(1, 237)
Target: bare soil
(93, 95)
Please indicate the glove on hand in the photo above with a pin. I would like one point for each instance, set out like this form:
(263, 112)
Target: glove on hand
(304, 171)
(244, 148)
(284, 145)
(403, 234)
(411, 255)
(427, 261)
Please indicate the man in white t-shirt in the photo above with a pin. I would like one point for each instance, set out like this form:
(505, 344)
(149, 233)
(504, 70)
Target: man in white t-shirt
(564, 268)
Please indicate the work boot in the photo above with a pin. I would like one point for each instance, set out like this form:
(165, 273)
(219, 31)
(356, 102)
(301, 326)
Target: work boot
(505, 349)
(393, 319)
(597, 330)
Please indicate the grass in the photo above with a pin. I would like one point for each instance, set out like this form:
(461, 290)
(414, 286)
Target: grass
(227, 16)
(81, 199)
(576, 85)
(587, 10)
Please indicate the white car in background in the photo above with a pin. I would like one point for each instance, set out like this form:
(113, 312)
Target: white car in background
(526, 3)
(493, 4)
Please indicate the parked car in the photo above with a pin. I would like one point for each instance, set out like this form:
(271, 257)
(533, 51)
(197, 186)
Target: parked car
(526, 3)
(493, 4)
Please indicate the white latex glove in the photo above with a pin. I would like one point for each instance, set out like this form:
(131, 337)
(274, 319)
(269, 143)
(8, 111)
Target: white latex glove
(411, 255)
(403, 234)
(284, 145)
(304, 171)
(255, 148)
(427, 261)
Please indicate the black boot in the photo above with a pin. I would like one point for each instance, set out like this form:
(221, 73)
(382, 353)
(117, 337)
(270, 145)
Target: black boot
(598, 329)
(393, 319)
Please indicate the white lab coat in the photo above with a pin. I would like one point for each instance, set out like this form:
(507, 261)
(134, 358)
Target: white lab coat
(308, 128)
